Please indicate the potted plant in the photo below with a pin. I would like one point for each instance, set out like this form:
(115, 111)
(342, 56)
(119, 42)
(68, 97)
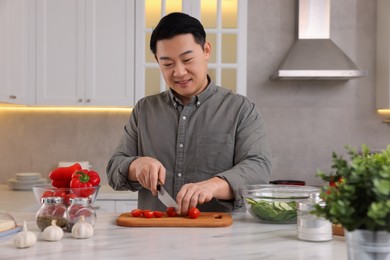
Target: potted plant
(357, 196)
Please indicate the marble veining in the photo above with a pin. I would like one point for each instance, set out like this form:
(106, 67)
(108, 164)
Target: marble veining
(245, 239)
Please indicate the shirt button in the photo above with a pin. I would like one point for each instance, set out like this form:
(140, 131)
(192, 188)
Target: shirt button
(181, 145)
(179, 174)
(184, 117)
(198, 103)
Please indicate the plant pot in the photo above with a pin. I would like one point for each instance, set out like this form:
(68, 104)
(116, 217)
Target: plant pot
(368, 245)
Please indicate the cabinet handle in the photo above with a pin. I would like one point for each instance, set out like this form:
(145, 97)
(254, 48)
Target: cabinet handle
(80, 100)
(12, 97)
(88, 100)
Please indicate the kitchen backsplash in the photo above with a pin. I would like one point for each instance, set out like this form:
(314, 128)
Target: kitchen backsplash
(37, 141)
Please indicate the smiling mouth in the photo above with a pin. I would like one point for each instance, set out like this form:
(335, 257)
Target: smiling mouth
(182, 82)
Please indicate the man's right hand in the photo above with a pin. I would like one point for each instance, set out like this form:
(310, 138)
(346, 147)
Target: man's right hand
(147, 171)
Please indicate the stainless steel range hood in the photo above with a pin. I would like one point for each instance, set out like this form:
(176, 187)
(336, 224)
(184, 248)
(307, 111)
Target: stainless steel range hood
(314, 56)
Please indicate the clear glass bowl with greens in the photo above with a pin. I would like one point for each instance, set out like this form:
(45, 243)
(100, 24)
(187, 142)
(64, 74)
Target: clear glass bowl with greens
(275, 204)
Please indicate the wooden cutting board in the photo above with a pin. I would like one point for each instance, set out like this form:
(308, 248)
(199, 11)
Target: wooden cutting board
(205, 219)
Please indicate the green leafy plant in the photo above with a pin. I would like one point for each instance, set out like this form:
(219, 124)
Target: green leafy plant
(357, 195)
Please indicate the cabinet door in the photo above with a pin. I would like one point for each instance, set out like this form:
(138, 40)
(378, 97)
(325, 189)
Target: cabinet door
(125, 205)
(225, 25)
(383, 58)
(110, 52)
(105, 205)
(14, 51)
(60, 61)
(85, 52)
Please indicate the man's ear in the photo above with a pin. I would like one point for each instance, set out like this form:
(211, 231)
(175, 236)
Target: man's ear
(207, 49)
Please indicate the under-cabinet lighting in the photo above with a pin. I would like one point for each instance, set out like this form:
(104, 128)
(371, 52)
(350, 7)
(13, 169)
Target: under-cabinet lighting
(15, 108)
(384, 112)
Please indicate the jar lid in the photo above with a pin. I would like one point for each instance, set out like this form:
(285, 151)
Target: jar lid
(52, 200)
(314, 198)
(80, 201)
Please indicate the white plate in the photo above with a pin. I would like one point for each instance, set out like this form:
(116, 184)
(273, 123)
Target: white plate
(18, 185)
(26, 182)
(27, 176)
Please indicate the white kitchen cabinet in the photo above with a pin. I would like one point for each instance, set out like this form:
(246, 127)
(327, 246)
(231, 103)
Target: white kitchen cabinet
(383, 55)
(109, 200)
(104, 205)
(96, 52)
(14, 52)
(125, 205)
(85, 52)
(118, 206)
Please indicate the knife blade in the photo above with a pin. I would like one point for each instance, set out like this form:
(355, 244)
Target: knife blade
(165, 198)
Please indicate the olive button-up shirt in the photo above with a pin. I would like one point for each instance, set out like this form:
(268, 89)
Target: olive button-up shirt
(218, 133)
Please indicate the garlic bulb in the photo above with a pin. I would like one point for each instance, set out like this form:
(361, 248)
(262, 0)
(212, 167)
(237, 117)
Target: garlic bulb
(25, 238)
(82, 229)
(52, 232)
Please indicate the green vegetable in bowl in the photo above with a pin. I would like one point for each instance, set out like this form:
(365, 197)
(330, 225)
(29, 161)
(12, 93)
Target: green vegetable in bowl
(273, 211)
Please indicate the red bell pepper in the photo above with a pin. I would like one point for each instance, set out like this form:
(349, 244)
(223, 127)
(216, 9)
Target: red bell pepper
(61, 176)
(84, 179)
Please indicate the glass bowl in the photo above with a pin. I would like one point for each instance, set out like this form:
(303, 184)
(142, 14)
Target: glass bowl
(47, 190)
(275, 204)
(7, 222)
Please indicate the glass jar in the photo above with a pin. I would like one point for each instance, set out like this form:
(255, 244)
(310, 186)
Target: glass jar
(311, 227)
(81, 207)
(52, 208)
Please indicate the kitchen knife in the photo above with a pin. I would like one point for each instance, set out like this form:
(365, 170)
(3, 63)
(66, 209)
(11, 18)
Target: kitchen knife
(165, 198)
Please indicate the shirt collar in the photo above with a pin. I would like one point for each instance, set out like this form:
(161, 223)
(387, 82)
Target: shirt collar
(198, 99)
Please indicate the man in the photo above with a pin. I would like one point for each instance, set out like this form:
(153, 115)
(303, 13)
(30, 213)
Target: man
(201, 141)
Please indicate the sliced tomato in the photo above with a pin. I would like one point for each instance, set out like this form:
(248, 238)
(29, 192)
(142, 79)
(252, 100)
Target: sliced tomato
(148, 214)
(193, 213)
(136, 212)
(158, 214)
(171, 212)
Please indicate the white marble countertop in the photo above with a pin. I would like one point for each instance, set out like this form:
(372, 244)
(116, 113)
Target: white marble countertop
(245, 239)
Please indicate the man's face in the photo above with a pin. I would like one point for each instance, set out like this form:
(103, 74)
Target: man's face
(183, 64)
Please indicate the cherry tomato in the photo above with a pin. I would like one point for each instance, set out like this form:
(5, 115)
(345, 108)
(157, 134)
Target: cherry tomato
(47, 194)
(158, 214)
(148, 214)
(68, 197)
(171, 212)
(60, 193)
(136, 212)
(193, 212)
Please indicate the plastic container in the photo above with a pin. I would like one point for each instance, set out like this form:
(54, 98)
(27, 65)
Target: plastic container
(81, 207)
(52, 208)
(311, 227)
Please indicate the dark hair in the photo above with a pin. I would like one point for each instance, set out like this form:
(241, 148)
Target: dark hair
(175, 24)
